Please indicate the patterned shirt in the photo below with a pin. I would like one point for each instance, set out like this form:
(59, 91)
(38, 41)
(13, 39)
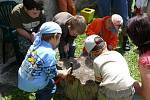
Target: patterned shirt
(38, 68)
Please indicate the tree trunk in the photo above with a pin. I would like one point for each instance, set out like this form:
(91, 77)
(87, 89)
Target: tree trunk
(80, 85)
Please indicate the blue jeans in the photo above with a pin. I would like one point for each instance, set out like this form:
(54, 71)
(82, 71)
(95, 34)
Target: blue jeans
(68, 54)
(46, 93)
(107, 7)
(130, 8)
(137, 97)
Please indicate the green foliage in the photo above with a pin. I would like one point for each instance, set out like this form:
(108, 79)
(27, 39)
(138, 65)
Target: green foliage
(79, 44)
(17, 94)
(132, 60)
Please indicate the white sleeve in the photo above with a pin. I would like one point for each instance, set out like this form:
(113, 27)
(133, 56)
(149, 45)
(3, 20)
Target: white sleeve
(97, 73)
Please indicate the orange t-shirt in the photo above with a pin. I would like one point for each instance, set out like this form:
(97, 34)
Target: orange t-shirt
(98, 27)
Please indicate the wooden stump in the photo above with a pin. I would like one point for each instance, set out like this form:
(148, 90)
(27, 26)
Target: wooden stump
(80, 85)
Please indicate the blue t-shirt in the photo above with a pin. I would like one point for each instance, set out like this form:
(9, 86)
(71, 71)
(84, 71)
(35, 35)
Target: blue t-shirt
(38, 68)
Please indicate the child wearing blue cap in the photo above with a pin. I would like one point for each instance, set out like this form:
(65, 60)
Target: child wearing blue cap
(39, 66)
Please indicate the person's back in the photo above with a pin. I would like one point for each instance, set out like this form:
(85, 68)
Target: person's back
(38, 79)
(114, 70)
(110, 70)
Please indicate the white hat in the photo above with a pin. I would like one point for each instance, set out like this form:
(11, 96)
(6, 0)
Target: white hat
(93, 40)
(50, 28)
(116, 19)
(46, 28)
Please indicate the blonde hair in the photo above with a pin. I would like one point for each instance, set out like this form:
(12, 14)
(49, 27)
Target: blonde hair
(78, 22)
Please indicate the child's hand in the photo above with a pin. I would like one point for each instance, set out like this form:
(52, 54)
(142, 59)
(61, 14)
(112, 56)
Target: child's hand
(67, 71)
(32, 37)
(87, 60)
(66, 47)
(64, 72)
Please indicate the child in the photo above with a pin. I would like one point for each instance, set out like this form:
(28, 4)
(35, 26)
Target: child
(111, 70)
(72, 26)
(138, 29)
(27, 17)
(39, 66)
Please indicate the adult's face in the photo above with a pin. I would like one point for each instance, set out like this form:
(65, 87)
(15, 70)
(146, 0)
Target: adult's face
(34, 13)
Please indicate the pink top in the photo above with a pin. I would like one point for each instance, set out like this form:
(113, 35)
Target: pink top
(144, 60)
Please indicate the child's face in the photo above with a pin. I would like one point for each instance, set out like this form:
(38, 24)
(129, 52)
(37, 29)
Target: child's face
(55, 41)
(96, 53)
(73, 31)
(34, 13)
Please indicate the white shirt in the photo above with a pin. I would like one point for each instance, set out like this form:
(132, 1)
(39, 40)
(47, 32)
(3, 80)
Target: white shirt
(113, 69)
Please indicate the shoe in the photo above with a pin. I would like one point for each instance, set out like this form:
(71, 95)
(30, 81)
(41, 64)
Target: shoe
(126, 45)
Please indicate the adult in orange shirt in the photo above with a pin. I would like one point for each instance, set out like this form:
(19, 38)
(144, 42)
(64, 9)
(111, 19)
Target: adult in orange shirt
(106, 27)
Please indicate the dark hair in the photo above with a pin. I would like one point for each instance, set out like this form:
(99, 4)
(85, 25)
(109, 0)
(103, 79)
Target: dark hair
(31, 4)
(138, 29)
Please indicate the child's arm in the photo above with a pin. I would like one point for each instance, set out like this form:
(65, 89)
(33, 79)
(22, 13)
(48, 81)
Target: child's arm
(25, 34)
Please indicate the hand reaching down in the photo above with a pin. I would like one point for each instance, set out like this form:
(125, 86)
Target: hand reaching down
(64, 72)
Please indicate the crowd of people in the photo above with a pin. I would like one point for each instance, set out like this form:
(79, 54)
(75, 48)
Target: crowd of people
(39, 38)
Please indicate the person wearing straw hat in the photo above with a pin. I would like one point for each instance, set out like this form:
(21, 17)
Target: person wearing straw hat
(38, 69)
(110, 70)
